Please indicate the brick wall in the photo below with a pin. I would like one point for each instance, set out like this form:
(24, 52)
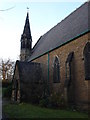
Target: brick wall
(80, 90)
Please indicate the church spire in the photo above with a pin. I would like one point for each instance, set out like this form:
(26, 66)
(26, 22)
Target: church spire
(26, 40)
(26, 30)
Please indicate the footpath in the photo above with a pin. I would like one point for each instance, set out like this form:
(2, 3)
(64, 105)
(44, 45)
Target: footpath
(4, 102)
(0, 107)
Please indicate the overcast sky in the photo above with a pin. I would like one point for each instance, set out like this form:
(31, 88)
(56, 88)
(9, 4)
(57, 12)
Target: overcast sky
(42, 16)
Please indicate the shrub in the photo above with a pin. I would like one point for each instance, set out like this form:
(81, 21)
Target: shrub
(5, 84)
(6, 92)
(44, 102)
(57, 101)
(53, 101)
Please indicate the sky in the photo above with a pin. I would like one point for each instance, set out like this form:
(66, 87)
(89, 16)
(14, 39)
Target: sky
(42, 16)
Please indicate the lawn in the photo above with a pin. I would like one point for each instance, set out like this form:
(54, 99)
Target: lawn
(24, 110)
(0, 91)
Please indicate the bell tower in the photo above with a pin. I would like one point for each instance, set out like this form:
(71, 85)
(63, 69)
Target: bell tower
(26, 41)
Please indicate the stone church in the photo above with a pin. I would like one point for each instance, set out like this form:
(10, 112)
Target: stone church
(60, 59)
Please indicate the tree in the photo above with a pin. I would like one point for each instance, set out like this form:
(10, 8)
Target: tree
(6, 69)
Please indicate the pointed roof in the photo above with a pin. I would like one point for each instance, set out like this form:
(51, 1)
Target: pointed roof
(27, 31)
(73, 26)
(28, 71)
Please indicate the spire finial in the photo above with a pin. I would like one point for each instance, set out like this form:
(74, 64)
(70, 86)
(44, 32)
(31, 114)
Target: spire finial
(27, 9)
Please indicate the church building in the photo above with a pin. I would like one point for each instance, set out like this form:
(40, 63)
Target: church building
(60, 59)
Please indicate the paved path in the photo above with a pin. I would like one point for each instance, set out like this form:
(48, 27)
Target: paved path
(5, 102)
(0, 100)
(0, 107)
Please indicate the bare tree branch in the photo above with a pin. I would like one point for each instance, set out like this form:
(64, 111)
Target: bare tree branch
(8, 9)
(6, 69)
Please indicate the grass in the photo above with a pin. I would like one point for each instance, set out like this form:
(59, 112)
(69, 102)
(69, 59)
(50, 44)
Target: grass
(24, 110)
(4, 91)
(0, 90)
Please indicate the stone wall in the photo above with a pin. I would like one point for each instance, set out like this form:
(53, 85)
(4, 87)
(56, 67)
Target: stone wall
(80, 90)
(27, 84)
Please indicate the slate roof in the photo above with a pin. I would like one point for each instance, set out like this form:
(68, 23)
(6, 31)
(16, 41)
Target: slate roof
(27, 31)
(73, 25)
(28, 71)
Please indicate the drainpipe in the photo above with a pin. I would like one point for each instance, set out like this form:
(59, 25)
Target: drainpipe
(48, 75)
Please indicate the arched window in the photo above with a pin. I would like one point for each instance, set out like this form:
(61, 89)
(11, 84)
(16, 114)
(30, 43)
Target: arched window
(56, 71)
(69, 81)
(87, 61)
(22, 44)
(68, 69)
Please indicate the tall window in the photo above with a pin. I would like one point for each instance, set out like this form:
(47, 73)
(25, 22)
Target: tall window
(68, 69)
(22, 44)
(87, 61)
(69, 82)
(56, 71)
